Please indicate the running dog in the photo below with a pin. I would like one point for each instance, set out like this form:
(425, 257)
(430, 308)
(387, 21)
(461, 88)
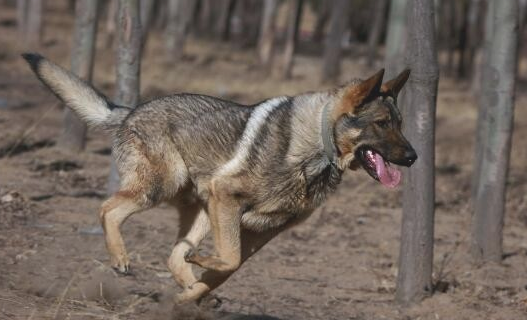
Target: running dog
(246, 173)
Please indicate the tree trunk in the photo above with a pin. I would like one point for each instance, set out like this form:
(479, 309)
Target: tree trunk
(451, 23)
(464, 7)
(483, 103)
(487, 221)
(33, 29)
(21, 17)
(179, 17)
(267, 32)
(146, 10)
(293, 24)
(379, 16)
(128, 66)
(322, 18)
(250, 15)
(110, 23)
(332, 49)
(223, 23)
(86, 16)
(474, 34)
(414, 279)
(395, 38)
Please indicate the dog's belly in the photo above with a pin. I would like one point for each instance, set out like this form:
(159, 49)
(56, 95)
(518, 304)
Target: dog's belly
(257, 221)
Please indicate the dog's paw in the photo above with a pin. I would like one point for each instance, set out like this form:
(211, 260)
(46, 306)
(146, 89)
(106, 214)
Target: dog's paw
(210, 301)
(121, 266)
(190, 255)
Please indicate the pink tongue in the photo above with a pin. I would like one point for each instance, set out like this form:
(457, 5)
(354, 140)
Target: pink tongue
(389, 177)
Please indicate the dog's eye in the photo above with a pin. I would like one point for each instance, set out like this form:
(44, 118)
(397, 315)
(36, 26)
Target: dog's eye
(382, 123)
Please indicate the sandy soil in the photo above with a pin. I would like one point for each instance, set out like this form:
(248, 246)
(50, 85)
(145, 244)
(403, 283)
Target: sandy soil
(340, 264)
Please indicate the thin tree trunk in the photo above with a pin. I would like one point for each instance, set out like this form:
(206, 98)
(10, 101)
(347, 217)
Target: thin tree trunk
(462, 39)
(250, 14)
(332, 48)
(128, 66)
(293, 24)
(33, 28)
(395, 38)
(146, 10)
(86, 16)
(451, 23)
(223, 23)
(322, 18)
(474, 34)
(414, 279)
(21, 17)
(483, 103)
(110, 22)
(267, 32)
(379, 16)
(487, 221)
(179, 17)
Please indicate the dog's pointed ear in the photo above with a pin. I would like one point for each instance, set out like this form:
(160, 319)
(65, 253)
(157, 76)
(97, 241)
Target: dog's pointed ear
(394, 86)
(355, 95)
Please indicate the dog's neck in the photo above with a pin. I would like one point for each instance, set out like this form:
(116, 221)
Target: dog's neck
(328, 137)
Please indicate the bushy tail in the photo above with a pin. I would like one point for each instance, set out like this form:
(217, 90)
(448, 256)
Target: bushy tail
(91, 106)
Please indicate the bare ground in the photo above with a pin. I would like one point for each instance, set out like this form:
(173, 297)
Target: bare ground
(340, 264)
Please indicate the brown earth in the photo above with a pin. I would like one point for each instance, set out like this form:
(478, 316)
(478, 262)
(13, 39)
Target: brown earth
(340, 264)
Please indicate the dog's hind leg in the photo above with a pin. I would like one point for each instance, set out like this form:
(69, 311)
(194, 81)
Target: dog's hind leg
(251, 242)
(194, 227)
(114, 212)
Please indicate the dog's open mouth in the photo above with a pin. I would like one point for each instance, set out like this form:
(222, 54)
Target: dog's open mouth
(378, 168)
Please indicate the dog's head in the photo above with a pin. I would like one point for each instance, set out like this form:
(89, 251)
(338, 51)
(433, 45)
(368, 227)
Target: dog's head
(368, 128)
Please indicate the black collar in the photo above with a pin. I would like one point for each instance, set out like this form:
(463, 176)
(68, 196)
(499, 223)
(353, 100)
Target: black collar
(328, 139)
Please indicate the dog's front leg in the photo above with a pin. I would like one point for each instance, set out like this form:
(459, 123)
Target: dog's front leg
(224, 210)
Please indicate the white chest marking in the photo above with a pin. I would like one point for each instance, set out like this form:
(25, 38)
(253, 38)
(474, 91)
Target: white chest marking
(255, 122)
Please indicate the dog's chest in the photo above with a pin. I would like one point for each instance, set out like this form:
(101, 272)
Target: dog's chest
(293, 197)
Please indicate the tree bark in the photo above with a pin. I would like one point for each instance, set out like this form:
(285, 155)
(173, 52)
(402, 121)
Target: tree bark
(379, 16)
(223, 23)
(395, 38)
(324, 11)
(21, 17)
(498, 90)
(293, 24)
(267, 32)
(179, 17)
(33, 28)
(464, 7)
(483, 103)
(146, 11)
(332, 48)
(128, 66)
(73, 136)
(414, 279)
(110, 22)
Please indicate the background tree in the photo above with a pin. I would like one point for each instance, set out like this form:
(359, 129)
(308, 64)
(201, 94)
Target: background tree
(146, 11)
(223, 23)
(379, 16)
(487, 222)
(179, 18)
(414, 279)
(29, 22)
(332, 47)
(395, 38)
(483, 72)
(128, 65)
(73, 136)
(267, 32)
(293, 24)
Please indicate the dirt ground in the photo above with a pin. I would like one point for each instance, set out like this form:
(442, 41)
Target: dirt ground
(340, 264)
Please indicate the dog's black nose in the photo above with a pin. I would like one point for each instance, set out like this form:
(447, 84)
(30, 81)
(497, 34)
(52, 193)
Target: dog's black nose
(410, 156)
